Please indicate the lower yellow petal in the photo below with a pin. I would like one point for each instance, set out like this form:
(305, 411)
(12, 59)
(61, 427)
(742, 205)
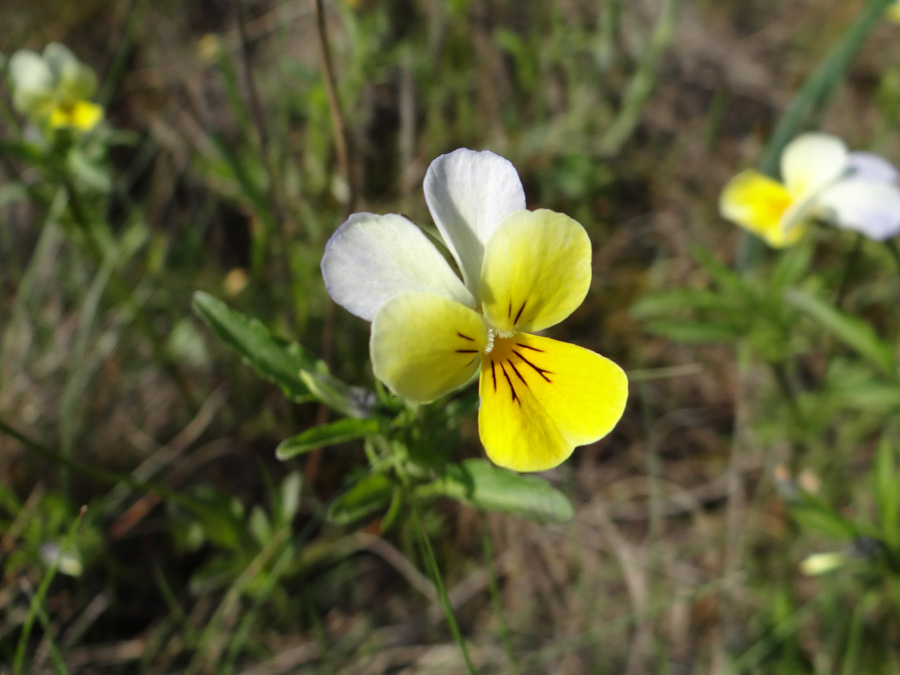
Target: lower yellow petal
(86, 115)
(425, 345)
(540, 398)
(83, 115)
(763, 206)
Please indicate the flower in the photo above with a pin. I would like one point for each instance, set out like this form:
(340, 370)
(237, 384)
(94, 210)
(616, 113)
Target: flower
(893, 11)
(822, 180)
(822, 563)
(522, 271)
(54, 88)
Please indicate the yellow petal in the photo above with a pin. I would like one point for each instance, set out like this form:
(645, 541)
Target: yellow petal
(60, 117)
(763, 206)
(425, 345)
(540, 398)
(893, 12)
(86, 115)
(536, 271)
(83, 115)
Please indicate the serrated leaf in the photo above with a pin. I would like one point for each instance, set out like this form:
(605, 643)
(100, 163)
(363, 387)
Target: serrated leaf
(479, 483)
(369, 495)
(341, 431)
(275, 359)
(849, 329)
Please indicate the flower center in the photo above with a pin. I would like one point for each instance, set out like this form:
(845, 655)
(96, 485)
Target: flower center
(493, 334)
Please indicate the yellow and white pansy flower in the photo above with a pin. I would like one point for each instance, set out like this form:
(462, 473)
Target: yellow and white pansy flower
(522, 271)
(821, 181)
(54, 88)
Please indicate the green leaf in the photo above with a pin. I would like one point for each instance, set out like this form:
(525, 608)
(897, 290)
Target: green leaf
(479, 483)
(277, 360)
(291, 488)
(92, 174)
(726, 279)
(851, 330)
(369, 495)
(812, 515)
(395, 510)
(887, 491)
(259, 526)
(792, 264)
(347, 429)
(678, 301)
(345, 399)
(694, 331)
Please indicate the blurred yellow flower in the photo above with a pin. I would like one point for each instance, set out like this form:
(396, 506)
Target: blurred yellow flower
(522, 271)
(54, 88)
(893, 11)
(821, 181)
(822, 563)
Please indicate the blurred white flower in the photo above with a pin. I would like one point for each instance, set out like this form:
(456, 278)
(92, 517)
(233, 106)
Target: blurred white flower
(54, 88)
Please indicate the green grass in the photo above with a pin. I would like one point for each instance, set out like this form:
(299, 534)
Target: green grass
(761, 426)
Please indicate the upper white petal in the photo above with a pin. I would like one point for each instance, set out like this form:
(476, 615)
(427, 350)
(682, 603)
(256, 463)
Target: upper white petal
(371, 258)
(811, 162)
(29, 70)
(871, 167)
(58, 56)
(469, 195)
(863, 206)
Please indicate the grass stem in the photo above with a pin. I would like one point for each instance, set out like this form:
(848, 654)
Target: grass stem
(435, 572)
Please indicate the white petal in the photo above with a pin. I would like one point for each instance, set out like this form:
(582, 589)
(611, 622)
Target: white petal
(370, 259)
(32, 83)
(28, 69)
(871, 167)
(469, 194)
(58, 56)
(811, 162)
(863, 206)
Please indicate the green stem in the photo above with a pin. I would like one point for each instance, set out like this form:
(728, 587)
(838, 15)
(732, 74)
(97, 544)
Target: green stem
(848, 270)
(341, 142)
(433, 569)
(787, 390)
(894, 251)
(38, 598)
(497, 601)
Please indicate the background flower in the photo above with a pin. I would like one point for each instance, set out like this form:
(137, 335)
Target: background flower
(821, 180)
(54, 88)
